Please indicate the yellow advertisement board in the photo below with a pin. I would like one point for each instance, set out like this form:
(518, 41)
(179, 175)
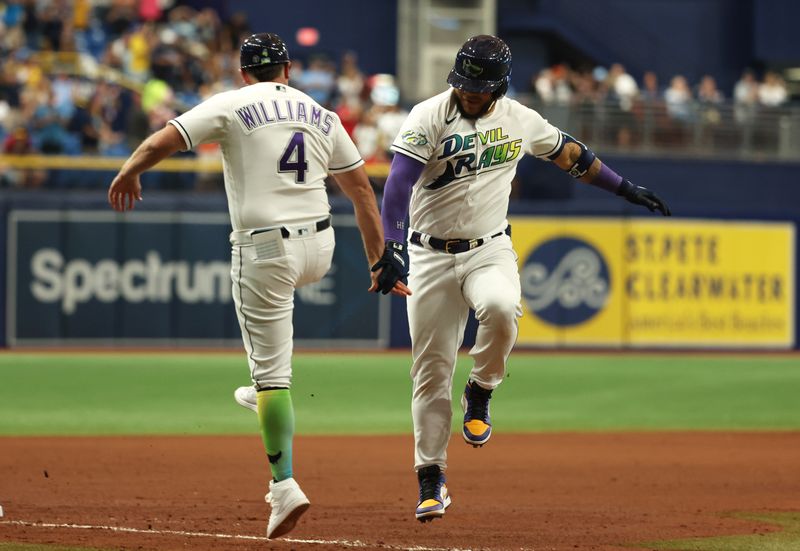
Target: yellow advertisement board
(660, 282)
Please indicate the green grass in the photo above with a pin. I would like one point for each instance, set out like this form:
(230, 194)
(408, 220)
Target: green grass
(787, 539)
(335, 393)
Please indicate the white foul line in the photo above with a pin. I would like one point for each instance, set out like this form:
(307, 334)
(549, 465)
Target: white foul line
(343, 543)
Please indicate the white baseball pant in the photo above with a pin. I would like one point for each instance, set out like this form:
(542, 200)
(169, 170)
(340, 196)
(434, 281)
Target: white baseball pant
(445, 286)
(266, 269)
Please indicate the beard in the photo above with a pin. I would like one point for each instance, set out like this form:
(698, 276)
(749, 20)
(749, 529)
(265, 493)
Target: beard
(481, 112)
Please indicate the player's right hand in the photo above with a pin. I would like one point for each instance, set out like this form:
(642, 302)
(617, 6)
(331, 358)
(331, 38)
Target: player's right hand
(123, 191)
(391, 269)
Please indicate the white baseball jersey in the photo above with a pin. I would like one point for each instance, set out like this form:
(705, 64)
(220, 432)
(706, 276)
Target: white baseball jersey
(278, 146)
(449, 200)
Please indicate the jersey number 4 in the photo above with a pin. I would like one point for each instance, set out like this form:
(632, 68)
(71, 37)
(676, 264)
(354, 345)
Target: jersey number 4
(294, 158)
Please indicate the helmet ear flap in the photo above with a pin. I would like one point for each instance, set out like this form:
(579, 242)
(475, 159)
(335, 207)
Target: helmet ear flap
(500, 92)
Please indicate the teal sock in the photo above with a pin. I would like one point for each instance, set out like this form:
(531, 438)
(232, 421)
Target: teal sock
(276, 419)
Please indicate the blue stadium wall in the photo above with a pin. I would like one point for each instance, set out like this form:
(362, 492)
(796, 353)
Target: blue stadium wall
(168, 231)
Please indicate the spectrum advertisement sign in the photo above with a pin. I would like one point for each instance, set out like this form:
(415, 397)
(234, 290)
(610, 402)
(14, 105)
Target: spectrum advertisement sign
(89, 277)
(671, 283)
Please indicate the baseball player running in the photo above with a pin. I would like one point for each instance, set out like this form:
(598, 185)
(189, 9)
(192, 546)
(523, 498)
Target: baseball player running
(278, 146)
(455, 158)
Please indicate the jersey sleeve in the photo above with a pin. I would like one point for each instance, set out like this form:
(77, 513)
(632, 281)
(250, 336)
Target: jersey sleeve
(203, 123)
(415, 138)
(543, 139)
(345, 155)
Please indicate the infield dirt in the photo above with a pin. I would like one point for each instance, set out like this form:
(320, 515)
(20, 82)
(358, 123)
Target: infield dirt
(536, 491)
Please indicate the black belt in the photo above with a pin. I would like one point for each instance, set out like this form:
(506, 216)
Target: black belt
(455, 246)
(320, 225)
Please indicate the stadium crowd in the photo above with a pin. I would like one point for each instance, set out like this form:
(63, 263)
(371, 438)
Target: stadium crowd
(85, 77)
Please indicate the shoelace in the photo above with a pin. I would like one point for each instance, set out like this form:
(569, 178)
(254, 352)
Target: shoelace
(478, 402)
(429, 482)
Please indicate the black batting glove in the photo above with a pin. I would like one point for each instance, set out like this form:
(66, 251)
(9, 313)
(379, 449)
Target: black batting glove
(639, 195)
(394, 263)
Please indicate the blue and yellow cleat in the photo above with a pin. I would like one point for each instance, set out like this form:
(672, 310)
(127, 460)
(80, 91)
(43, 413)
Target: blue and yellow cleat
(477, 427)
(433, 496)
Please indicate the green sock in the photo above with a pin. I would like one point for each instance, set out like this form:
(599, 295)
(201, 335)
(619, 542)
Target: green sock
(276, 419)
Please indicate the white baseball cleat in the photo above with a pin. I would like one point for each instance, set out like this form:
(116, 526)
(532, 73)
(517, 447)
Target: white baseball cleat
(246, 397)
(288, 504)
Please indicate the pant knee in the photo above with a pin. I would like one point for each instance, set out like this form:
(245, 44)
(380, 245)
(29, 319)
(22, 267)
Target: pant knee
(499, 311)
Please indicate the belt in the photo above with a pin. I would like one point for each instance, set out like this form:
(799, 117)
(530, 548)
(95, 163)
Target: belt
(320, 225)
(455, 246)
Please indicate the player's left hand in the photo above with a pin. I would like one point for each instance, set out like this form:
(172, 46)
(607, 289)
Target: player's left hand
(639, 195)
(124, 190)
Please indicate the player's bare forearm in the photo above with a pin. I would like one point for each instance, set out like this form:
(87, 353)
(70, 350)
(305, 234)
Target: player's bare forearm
(154, 149)
(355, 185)
(126, 187)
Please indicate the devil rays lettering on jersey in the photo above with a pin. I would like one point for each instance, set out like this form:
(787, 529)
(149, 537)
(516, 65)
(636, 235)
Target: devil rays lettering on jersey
(464, 188)
(460, 152)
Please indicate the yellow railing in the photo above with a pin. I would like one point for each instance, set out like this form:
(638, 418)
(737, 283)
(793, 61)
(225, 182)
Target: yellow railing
(376, 170)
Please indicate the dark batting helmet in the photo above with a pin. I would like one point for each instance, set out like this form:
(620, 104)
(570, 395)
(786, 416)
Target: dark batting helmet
(483, 65)
(263, 49)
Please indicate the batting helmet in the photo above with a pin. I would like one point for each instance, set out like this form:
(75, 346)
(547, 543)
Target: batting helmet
(483, 65)
(263, 49)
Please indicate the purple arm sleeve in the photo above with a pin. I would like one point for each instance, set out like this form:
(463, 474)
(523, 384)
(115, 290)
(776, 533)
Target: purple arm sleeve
(607, 179)
(403, 174)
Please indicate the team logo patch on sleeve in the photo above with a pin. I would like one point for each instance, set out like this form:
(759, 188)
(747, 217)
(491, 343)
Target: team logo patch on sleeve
(414, 138)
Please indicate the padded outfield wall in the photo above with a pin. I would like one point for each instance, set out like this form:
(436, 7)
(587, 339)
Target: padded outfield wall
(596, 272)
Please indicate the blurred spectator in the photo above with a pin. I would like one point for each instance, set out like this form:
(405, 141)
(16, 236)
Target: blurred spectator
(350, 83)
(51, 25)
(772, 92)
(679, 98)
(389, 116)
(745, 96)
(318, 80)
(552, 86)
(167, 60)
(367, 137)
(19, 143)
(584, 86)
(650, 91)
(235, 31)
(350, 114)
(622, 86)
(707, 91)
(86, 123)
(48, 125)
(622, 91)
(709, 99)
(137, 55)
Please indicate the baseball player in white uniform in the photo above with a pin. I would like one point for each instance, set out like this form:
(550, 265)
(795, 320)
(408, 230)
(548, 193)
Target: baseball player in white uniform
(455, 158)
(278, 146)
